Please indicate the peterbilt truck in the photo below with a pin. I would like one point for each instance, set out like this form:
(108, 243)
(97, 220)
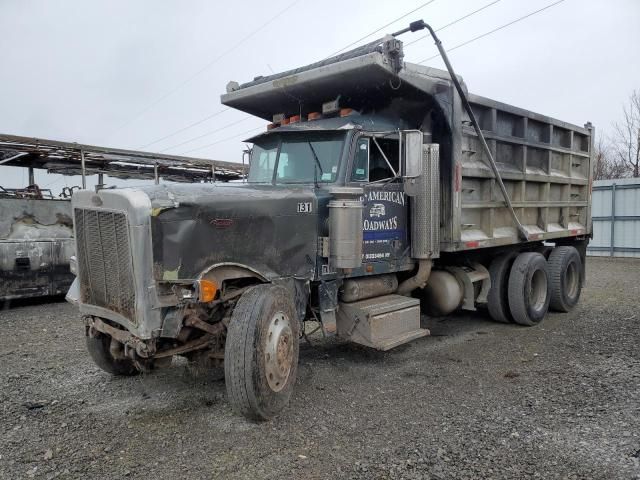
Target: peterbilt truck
(379, 190)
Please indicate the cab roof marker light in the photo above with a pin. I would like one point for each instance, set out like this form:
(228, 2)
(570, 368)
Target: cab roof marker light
(284, 121)
(295, 119)
(329, 108)
(345, 112)
(314, 116)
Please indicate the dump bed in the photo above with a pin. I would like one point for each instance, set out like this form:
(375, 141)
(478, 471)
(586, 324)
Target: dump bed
(545, 163)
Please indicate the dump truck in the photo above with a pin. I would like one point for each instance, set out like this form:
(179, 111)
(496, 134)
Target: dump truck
(380, 189)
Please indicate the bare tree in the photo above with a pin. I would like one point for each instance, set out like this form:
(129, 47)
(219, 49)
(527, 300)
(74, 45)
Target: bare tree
(626, 137)
(607, 165)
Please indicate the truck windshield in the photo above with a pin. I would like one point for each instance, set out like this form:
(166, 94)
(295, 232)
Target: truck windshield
(295, 158)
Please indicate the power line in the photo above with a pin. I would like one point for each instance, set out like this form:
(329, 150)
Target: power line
(494, 30)
(453, 23)
(219, 112)
(206, 67)
(222, 140)
(342, 49)
(382, 28)
(215, 114)
(211, 132)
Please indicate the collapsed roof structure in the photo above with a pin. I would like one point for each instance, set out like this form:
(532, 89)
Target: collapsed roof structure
(69, 158)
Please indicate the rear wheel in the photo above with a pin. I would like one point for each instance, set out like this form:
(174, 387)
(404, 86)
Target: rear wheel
(528, 289)
(261, 352)
(99, 347)
(498, 298)
(565, 267)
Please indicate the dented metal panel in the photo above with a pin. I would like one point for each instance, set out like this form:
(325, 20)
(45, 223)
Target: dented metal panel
(197, 226)
(35, 247)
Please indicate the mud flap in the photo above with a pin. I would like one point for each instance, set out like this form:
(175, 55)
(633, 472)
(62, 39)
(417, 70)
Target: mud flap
(73, 295)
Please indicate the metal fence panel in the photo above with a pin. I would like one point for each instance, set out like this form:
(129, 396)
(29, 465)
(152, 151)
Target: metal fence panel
(616, 218)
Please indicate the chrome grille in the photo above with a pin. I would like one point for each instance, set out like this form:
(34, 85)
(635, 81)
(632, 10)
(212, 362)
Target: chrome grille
(105, 261)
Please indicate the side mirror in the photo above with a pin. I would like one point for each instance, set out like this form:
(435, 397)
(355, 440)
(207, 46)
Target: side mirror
(412, 158)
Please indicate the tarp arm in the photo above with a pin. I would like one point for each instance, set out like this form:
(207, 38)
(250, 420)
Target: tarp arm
(419, 25)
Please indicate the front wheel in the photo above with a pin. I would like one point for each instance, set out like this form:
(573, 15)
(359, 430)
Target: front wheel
(99, 347)
(261, 352)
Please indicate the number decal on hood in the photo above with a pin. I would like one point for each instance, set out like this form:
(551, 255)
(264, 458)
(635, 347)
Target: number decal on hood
(305, 207)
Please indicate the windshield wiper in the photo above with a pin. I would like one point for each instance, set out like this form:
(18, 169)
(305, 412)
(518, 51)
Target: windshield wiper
(315, 157)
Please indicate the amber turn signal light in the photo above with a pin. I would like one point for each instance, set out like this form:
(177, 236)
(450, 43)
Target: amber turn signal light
(207, 290)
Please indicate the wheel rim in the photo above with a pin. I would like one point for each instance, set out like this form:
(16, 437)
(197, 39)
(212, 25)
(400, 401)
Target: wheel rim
(538, 292)
(278, 354)
(571, 280)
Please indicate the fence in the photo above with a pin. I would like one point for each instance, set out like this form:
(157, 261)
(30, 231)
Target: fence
(616, 218)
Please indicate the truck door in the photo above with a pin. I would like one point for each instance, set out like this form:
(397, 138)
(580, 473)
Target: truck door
(375, 165)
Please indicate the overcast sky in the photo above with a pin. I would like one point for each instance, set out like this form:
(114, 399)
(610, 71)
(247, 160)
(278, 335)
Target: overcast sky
(124, 74)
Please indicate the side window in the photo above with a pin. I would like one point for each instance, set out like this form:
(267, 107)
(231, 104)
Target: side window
(264, 161)
(384, 159)
(360, 170)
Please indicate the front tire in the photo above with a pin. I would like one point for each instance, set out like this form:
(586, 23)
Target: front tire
(529, 289)
(261, 352)
(98, 347)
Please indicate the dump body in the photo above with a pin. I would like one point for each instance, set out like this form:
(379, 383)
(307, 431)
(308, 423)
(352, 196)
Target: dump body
(546, 164)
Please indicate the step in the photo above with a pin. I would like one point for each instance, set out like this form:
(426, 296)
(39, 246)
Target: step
(382, 322)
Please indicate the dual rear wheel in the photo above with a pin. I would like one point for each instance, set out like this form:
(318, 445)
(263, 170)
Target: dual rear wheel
(524, 286)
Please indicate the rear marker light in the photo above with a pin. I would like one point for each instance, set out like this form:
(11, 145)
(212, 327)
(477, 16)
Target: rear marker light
(330, 107)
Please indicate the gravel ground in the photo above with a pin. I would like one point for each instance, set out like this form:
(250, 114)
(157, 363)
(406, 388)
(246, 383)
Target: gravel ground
(474, 400)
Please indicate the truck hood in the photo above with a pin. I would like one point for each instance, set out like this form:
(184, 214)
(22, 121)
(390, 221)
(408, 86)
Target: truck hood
(271, 230)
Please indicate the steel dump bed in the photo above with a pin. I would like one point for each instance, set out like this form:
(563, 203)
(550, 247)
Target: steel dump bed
(545, 163)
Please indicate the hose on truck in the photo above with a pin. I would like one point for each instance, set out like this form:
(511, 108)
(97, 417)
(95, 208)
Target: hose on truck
(419, 280)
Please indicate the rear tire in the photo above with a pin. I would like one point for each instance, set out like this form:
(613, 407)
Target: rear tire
(529, 289)
(261, 352)
(565, 267)
(98, 347)
(545, 251)
(498, 298)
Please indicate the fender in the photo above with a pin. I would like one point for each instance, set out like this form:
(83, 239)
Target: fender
(220, 272)
(299, 288)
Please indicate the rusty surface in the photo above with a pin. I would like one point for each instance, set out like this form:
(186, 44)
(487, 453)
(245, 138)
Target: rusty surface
(197, 344)
(193, 320)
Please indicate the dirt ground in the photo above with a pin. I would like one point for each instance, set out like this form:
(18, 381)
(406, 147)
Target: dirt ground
(475, 400)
